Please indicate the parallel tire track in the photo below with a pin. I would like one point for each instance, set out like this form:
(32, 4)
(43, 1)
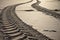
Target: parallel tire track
(15, 29)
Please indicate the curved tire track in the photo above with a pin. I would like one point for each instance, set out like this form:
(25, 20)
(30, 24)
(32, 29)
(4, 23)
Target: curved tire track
(15, 29)
(45, 10)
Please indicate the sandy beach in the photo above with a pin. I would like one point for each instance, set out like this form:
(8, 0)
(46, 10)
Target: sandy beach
(38, 20)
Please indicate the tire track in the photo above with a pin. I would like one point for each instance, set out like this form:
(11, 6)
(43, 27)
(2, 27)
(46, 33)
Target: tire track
(45, 10)
(15, 28)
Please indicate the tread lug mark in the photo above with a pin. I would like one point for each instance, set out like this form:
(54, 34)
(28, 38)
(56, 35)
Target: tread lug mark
(11, 25)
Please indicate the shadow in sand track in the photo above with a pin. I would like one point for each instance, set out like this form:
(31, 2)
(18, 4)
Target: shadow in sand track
(45, 10)
(15, 28)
